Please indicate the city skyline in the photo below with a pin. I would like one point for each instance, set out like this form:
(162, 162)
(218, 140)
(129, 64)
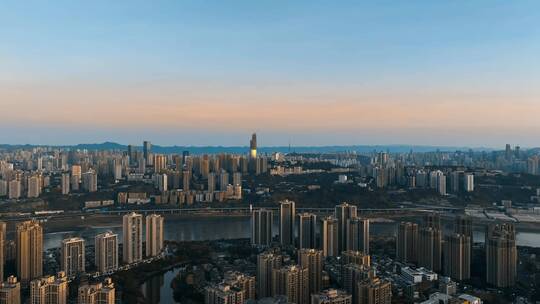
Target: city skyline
(309, 73)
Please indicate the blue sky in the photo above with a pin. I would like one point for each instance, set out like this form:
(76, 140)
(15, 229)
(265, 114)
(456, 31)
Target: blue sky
(104, 54)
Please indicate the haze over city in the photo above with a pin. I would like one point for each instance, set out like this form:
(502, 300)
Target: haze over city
(269, 152)
(314, 73)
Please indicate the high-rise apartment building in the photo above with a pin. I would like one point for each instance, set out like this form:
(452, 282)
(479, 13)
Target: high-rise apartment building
(355, 257)
(72, 256)
(457, 258)
(223, 180)
(307, 230)
(430, 248)
(242, 281)
(501, 255)
(160, 163)
(10, 291)
(261, 227)
(224, 294)
(186, 180)
(266, 263)
(211, 182)
(154, 234)
(374, 291)
(34, 186)
(468, 182)
(132, 225)
(407, 241)
(14, 191)
(291, 282)
(329, 236)
(49, 289)
(312, 260)
(162, 182)
(331, 296)
(358, 234)
(106, 252)
(97, 293)
(89, 181)
(65, 183)
(286, 222)
(29, 251)
(344, 212)
(351, 275)
(463, 225)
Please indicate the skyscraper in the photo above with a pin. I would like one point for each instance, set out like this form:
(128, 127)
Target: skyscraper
(106, 246)
(457, 259)
(49, 289)
(329, 236)
(29, 251)
(147, 148)
(266, 263)
(463, 225)
(65, 183)
(468, 182)
(312, 260)
(286, 222)
(343, 213)
(132, 234)
(34, 187)
(307, 223)
(89, 181)
(292, 282)
(253, 146)
(14, 189)
(72, 256)
(501, 255)
(154, 234)
(351, 275)
(261, 227)
(429, 248)
(407, 240)
(10, 291)
(358, 234)
(211, 182)
(186, 180)
(160, 163)
(508, 152)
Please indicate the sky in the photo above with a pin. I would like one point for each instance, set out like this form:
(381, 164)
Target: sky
(198, 72)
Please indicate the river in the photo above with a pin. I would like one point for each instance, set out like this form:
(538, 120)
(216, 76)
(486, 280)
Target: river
(157, 289)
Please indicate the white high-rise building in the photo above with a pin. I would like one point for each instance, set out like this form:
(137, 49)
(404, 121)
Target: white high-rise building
(133, 237)
(72, 256)
(15, 189)
(106, 252)
(34, 187)
(468, 182)
(65, 183)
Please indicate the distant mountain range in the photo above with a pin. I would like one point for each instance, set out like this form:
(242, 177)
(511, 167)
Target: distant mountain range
(244, 149)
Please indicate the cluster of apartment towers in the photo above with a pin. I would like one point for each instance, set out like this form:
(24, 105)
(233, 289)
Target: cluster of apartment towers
(346, 235)
(302, 282)
(51, 289)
